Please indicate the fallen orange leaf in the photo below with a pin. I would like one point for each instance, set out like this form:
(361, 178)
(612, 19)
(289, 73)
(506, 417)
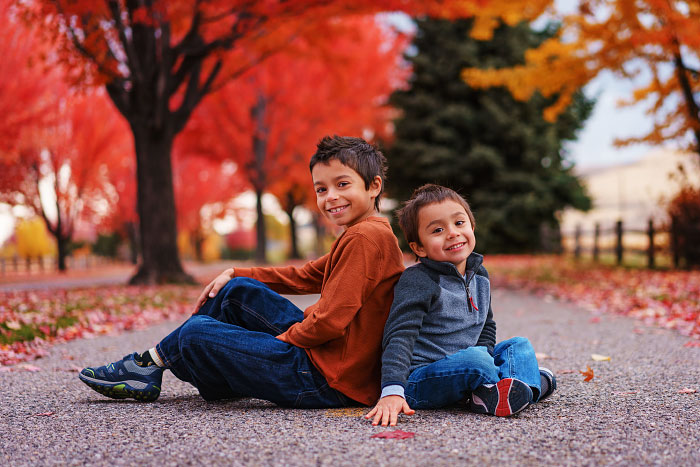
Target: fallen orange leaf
(588, 373)
(687, 391)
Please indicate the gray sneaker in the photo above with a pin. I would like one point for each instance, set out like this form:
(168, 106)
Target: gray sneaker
(125, 378)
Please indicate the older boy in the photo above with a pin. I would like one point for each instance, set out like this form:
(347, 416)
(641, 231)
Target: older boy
(247, 340)
(440, 338)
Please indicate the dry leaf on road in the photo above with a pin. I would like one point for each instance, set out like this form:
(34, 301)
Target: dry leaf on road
(396, 434)
(588, 373)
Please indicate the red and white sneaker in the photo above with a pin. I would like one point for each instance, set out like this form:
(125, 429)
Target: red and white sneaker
(507, 397)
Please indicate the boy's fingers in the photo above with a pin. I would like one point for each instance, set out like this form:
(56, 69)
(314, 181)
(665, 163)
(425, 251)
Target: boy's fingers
(371, 412)
(407, 409)
(377, 418)
(385, 418)
(394, 418)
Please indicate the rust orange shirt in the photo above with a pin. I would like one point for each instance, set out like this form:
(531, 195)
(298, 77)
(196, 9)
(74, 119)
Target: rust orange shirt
(342, 332)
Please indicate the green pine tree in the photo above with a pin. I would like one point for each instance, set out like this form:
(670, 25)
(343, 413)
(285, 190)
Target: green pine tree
(497, 152)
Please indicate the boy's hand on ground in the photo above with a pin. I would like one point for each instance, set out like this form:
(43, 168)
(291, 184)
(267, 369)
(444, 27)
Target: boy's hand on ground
(213, 288)
(388, 409)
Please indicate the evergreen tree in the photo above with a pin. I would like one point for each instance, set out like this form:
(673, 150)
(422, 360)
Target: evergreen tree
(497, 152)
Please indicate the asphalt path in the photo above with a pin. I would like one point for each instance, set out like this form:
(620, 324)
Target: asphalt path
(633, 412)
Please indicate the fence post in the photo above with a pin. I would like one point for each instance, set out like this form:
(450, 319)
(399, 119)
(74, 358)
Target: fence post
(577, 241)
(596, 242)
(650, 250)
(618, 245)
(674, 242)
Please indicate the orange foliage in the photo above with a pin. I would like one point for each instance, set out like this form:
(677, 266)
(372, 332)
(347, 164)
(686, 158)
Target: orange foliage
(632, 38)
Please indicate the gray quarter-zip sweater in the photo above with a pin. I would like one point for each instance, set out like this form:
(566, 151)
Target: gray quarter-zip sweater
(436, 312)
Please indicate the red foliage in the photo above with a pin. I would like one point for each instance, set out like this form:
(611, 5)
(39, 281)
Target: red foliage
(54, 316)
(670, 299)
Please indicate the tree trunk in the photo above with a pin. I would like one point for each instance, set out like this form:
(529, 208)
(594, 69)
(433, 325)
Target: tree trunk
(320, 234)
(688, 95)
(160, 260)
(261, 246)
(198, 243)
(260, 135)
(132, 235)
(62, 247)
(293, 240)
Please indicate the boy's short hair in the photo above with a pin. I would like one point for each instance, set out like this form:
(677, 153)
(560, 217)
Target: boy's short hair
(423, 196)
(356, 153)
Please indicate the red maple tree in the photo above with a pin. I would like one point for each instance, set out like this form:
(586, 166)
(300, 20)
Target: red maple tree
(158, 59)
(70, 151)
(268, 121)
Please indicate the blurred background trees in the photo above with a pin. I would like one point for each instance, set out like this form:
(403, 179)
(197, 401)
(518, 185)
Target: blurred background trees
(148, 122)
(498, 152)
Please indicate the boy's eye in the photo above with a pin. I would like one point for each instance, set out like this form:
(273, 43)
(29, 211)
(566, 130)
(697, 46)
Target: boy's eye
(438, 230)
(342, 184)
(459, 223)
(320, 190)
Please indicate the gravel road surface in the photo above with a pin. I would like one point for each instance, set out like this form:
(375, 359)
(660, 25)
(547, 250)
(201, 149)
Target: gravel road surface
(631, 413)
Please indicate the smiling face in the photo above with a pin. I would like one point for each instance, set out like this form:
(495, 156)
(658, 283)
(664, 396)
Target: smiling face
(445, 233)
(341, 195)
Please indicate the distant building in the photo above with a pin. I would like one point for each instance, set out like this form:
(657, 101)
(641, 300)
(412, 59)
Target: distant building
(633, 192)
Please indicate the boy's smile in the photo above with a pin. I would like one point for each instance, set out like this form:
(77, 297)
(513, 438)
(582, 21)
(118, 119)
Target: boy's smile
(445, 234)
(341, 195)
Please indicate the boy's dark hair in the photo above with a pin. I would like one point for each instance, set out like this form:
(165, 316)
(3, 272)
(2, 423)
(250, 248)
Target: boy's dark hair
(356, 153)
(423, 196)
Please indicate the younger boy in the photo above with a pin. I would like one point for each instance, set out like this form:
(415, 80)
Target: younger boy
(440, 338)
(245, 340)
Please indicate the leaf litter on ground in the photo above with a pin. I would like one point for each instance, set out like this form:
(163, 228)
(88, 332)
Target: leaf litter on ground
(31, 321)
(668, 299)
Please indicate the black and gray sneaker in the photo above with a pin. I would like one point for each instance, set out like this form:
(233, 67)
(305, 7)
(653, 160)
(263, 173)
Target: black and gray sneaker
(125, 378)
(507, 397)
(547, 374)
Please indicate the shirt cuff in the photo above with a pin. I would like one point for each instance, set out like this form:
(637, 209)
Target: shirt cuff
(393, 390)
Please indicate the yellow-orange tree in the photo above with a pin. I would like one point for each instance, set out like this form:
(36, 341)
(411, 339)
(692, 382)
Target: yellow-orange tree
(159, 58)
(632, 38)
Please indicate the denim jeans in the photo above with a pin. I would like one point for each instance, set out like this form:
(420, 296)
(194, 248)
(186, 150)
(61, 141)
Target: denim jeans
(228, 349)
(454, 377)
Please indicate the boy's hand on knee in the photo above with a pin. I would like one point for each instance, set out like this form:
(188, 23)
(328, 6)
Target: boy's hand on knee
(213, 288)
(388, 409)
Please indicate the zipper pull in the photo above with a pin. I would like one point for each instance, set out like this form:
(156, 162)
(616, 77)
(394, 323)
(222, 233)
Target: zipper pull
(471, 300)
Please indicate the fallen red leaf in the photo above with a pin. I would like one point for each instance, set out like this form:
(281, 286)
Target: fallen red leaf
(566, 372)
(692, 344)
(595, 319)
(44, 414)
(687, 391)
(588, 373)
(396, 434)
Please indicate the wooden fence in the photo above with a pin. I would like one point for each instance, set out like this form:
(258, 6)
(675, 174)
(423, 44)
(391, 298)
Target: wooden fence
(40, 265)
(619, 240)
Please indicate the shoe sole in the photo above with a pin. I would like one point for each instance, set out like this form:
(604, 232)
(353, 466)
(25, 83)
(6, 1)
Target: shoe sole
(503, 391)
(551, 379)
(122, 389)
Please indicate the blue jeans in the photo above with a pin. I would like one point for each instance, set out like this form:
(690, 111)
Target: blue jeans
(228, 349)
(454, 377)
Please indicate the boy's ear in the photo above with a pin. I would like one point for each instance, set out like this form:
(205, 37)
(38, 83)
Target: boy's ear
(375, 186)
(418, 249)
